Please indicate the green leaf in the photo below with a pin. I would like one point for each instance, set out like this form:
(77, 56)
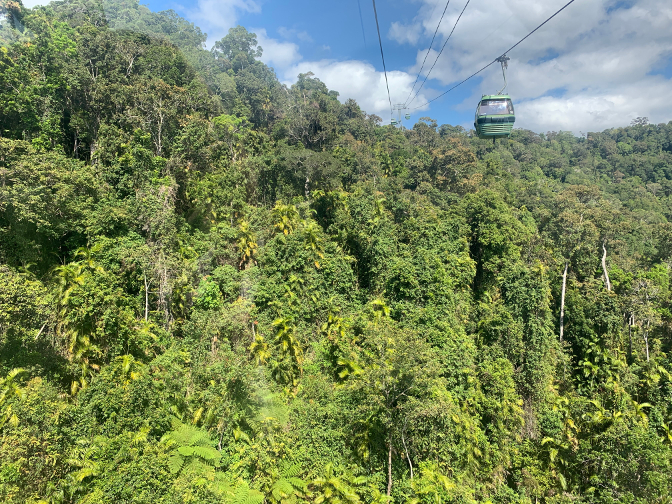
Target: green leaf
(563, 481)
(186, 451)
(175, 462)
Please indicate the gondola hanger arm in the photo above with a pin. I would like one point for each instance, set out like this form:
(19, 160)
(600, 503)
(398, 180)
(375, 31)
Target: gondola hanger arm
(504, 60)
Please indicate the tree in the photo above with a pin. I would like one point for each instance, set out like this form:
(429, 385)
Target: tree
(576, 234)
(388, 370)
(495, 236)
(643, 309)
(9, 390)
(313, 114)
(239, 47)
(259, 293)
(288, 365)
(247, 244)
(286, 218)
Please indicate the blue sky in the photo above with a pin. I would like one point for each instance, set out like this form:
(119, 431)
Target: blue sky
(598, 64)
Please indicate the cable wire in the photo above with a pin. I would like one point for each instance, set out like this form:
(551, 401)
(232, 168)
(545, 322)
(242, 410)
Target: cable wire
(428, 51)
(361, 20)
(496, 59)
(380, 42)
(439, 55)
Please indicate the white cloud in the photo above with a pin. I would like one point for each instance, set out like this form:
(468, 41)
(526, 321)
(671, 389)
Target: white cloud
(588, 68)
(277, 54)
(215, 17)
(597, 111)
(359, 80)
(405, 33)
(289, 33)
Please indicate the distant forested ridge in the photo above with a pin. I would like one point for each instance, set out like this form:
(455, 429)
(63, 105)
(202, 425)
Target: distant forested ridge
(215, 288)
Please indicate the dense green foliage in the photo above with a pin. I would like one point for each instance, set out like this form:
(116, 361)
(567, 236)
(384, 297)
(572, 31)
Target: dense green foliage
(217, 288)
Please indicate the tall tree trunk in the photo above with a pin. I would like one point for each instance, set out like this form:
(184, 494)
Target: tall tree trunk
(389, 467)
(408, 457)
(146, 298)
(562, 300)
(646, 340)
(604, 266)
(631, 322)
(165, 291)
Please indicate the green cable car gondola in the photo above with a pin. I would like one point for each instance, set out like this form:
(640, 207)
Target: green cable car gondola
(495, 115)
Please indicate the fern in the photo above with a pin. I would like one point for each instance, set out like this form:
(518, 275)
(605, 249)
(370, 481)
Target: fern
(189, 435)
(193, 447)
(245, 495)
(208, 454)
(175, 462)
(185, 451)
(291, 470)
(330, 488)
(199, 472)
(298, 483)
(222, 486)
(287, 487)
(282, 489)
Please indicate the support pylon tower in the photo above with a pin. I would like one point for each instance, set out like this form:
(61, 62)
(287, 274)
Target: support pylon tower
(399, 107)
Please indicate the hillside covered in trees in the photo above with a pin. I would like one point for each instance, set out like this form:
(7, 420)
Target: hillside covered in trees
(215, 288)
